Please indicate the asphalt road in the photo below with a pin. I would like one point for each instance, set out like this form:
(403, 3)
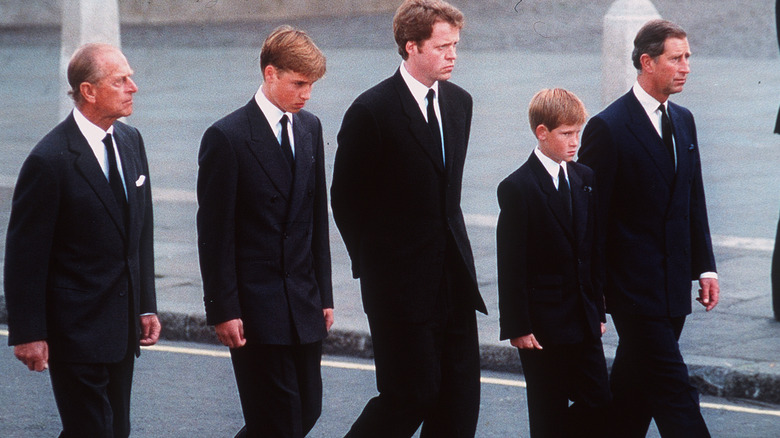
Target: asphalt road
(187, 390)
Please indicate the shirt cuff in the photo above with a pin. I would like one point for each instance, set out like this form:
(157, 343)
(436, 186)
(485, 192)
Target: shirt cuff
(147, 314)
(709, 275)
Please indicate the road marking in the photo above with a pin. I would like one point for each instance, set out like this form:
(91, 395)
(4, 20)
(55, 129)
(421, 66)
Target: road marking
(486, 380)
(363, 367)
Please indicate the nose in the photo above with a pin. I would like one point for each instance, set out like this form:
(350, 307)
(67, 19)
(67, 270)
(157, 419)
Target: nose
(132, 87)
(452, 53)
(306, 92)
(685, 66)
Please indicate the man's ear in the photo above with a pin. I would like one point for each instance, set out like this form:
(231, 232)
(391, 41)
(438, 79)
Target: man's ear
(411, 46)
(647, 62)
(87, 91)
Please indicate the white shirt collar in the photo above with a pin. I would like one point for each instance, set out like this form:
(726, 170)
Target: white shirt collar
(419, 90)
(92, 132)
(271, 112)
(650, 105)
(273, 116)
(551, 166)
(94, 135)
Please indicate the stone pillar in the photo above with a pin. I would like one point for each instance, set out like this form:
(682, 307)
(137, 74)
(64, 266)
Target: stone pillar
(621, 23)
(84, 21)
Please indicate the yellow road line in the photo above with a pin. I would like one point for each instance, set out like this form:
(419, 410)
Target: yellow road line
(364, 367)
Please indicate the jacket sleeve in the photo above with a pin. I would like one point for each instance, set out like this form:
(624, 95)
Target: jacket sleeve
(351, 178)
(321, 236)
(146, 244)
(217, 190)
(29, 242)
(512, 257)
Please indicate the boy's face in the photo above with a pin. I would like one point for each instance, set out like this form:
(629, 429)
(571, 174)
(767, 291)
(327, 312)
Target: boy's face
(561, 143)
(288, 90)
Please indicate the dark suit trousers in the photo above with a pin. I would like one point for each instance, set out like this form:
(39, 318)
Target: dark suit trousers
(559, 373)
(427, 373)
(650, 380)
(280, 387)
(93, 399)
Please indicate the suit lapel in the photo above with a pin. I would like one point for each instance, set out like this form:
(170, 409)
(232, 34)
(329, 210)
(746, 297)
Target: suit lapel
(646, 135)
(553, 198)
(130, 172)
(417, 124)
(579, 201)
(683, 142)
(450, 118)
(266, 149)
(304, 162)
(88, 166)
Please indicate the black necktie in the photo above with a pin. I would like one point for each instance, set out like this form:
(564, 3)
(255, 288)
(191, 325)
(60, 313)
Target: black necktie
(286, 147)
(114, 180)
(433, 122)
(666, 131)
(563, 190)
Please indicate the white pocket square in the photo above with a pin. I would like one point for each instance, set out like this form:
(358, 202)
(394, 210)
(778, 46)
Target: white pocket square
(141, 180)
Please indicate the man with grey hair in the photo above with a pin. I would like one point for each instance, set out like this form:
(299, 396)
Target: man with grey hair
(655, 236)
(79, 263)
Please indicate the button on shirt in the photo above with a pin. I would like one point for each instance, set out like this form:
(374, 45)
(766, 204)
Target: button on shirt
(419, 93)
(95, 135)
(273, 115)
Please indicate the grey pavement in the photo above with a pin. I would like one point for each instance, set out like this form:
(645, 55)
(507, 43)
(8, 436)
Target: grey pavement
(191, 76)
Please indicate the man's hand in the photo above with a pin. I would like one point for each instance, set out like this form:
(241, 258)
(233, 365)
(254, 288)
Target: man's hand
(150, 330)
(709, 293)
(527, 342)
(231, 333)
(328, 314)
(33, 354)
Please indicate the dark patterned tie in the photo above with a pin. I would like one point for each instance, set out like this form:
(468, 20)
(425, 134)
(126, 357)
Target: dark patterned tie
(114, 180)
(286, 147)
(666, 131)
(564, 190)
(433, 122)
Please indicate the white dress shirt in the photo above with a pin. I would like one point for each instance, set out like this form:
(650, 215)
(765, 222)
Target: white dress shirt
(650, 105)
(419, 92)
(95, 135)
(551, 166)
(273, 115)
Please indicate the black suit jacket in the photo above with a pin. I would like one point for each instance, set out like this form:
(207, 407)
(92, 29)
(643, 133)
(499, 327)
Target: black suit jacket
(263, 230)
(548, 270)
(73, 271)
(396, 204)
(655, 229)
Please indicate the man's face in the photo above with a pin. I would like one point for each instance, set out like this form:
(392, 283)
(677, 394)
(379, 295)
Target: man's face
(288, 90)
(113, 94)
(561, 143)
(433, 59)
(670, 70)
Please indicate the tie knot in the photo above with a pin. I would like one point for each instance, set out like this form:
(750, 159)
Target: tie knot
(107, 140)
(431, 95)
(284, 121)
(662, 108)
